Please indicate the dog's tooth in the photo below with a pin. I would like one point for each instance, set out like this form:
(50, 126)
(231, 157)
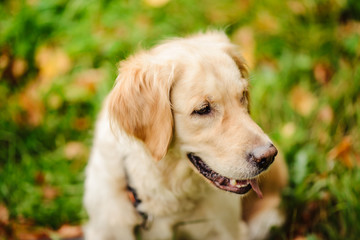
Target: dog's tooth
(232, 182)
(241, 183)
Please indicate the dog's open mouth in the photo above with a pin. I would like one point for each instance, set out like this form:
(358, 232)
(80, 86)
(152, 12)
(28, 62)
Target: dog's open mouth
(224, 183)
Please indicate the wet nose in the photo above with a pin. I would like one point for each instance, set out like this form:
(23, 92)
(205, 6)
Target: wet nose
(263, 156)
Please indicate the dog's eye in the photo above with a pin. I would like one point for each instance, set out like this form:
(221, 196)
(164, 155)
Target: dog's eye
(205, 109)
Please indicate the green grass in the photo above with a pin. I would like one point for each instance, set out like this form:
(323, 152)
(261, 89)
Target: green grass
(305, 79)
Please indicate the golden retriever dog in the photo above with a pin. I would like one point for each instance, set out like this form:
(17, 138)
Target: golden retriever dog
(175, 149)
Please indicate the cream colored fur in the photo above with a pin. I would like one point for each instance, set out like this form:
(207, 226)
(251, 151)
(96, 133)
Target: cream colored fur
(146, 129)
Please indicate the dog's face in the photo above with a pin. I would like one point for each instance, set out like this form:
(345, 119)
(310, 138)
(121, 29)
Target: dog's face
(195, 92)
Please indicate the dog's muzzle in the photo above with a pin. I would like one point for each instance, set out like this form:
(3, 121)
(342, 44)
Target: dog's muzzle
(222, 182)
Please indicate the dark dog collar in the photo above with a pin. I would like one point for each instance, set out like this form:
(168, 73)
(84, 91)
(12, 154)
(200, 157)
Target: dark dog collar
(134, 199)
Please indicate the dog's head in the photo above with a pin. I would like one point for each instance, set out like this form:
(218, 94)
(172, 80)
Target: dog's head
(194, 91)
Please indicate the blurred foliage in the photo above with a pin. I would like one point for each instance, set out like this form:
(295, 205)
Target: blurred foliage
(58, 60)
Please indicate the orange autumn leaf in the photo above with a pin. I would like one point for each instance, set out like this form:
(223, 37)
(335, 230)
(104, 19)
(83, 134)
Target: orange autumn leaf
(85, 84)
(300, 238)
(81, 123)
(19, 67)
(156, 3)
(75, 150)
(296, 7)
(25, 230)
(357, 157)
(50, 193)
(89, 79)
(32, 235)
(52, 62)
(288, 130)
(69, 231)
(322, 73)
(39, 178)
(31, 103)
(302, 100)
(266, 22)
(342, 152)
(4, 60)
(326, 114)
(4, 215)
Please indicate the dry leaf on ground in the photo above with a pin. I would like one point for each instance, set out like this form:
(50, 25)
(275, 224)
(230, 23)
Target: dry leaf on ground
(322, 73)
(52, 62)
(4, 215)
(296, 7)
(288, 130)
(266, 22)
(302, 100)
(19, 67)
(156, 3)
(30, 101)
(342, 151)
(326, 114)
(89, 79)
(75, 150)
(49, 192)
(69, 231)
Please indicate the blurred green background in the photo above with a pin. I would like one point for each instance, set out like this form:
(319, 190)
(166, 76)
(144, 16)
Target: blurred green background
(58, 61)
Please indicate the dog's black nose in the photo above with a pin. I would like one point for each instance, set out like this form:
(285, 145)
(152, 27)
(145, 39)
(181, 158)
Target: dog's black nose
(263, 156)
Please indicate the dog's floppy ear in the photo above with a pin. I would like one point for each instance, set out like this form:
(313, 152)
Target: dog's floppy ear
(140, 103)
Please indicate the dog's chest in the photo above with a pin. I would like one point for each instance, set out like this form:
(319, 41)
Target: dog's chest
(164, 187)
(178, 199)
(176, 189)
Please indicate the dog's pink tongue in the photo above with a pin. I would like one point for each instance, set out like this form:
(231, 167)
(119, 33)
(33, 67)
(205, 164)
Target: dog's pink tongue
(254, 184)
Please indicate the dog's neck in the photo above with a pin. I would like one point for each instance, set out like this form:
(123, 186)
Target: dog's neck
(177, 193)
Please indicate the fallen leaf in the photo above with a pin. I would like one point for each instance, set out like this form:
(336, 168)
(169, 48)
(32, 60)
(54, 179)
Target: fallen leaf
(19, 67)
(82, 123)
(302, 101)
(348, 28)
(326, 114)
(32, 2)
(4, 215)
(52, 62)
(33, 236)
(357, 156)
(323, 136)
(30, 102)
(89, 79)
(26, 230)
(288, 130)
(156, 3)
(266, 22)
(343, 147)
(39, 178)
(300, 238)
(4, 60)
(55, 101)
(143, 22)
(84, 85)
(69, 231)
(296, 7)
(322, 73)
(244, 38)
(49, 192)
(342, 152)
(75, 150)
